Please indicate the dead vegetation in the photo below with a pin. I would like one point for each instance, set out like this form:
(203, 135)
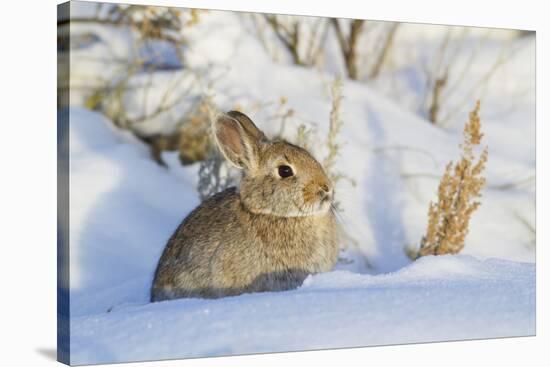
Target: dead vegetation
(452, 61)
(348, 44)
(214, 176)
(333, 148)
(148, 22)
(366, 59)
(335, 125)
(191, 140)
(304, 41)
(457, 197)
(386, 44)
(136, 79)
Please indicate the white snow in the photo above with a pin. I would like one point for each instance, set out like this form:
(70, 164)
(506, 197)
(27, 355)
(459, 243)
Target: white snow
(124, 207)
(435, 299)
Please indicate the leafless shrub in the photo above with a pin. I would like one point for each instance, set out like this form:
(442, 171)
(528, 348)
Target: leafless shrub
(436, 78)
(195, 143)
(435, 104)
(136, 77)
(445, 77)
(150, 22)
(460, 186)
(304, 41)
(364, 49)
(214, 176)
(189, 132)
(192, 140)
(384, 50)
(348, 44)
(288, 35)
(507, 51)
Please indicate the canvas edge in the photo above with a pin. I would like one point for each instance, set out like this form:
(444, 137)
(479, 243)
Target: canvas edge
(63, 269)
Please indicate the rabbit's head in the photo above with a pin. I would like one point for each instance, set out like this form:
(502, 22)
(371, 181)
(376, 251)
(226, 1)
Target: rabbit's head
(279, 178)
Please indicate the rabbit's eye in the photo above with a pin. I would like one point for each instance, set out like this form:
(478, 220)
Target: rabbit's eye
(285, 171)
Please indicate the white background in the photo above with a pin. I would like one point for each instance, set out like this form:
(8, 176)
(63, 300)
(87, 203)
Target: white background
(28, 188)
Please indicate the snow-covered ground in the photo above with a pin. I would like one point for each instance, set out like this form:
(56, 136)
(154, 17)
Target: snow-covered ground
(435, 299)
(124, 206)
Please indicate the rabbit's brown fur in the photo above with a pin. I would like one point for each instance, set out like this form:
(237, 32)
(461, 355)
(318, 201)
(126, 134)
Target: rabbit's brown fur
(267, 235)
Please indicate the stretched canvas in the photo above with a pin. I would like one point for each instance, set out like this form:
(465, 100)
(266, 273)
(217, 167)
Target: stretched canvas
(236, 183)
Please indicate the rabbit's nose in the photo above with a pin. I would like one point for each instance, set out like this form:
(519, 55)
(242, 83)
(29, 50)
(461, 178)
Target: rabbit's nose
(325, 191)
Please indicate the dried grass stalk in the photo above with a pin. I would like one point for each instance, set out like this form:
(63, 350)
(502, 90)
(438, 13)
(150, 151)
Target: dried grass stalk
(335, 125)
(459, 189)
(195, 143)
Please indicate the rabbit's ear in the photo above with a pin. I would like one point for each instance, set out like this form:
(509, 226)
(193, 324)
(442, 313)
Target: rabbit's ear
(238, 139)
(248, 125)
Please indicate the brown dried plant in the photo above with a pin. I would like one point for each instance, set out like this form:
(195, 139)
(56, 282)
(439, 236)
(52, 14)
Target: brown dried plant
(335, 124)
(303, 41)
(348, 45)
(459, 189)
(191, 139)
(333, 151)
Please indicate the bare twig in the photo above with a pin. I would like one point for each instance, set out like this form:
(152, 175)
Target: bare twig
(433, 75)
(348, 45)
(114, 23)
(503, 57)
(335, 124)
(439, 84)
(381, 59)
(317, 41)
(512, 185)
(289, 37)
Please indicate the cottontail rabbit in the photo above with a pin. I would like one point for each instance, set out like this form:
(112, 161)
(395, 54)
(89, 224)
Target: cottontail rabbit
(266, 235)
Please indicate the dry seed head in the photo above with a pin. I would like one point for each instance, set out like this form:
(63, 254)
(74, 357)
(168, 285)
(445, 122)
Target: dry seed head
(460, 186)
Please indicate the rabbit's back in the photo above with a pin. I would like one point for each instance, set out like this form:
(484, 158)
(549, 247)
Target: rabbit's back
(222, 249)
